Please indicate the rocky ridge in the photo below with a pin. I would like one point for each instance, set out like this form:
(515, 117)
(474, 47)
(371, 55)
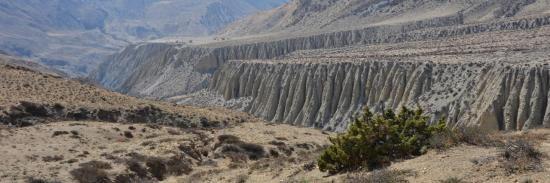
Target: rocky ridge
(495, 81)
(141, 70)
(168, 71)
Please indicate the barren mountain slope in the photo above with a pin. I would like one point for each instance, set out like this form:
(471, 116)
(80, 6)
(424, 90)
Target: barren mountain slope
(115, 138)
(320, 80)
(490, 80)
(299, 16)
(28, 97)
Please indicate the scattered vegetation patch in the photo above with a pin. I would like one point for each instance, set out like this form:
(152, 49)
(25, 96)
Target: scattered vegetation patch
(521, 156)
(137, 168)
(52, 158)
(39, 180)
(233, 147)
(97, 164)
(374, 141)
(158, 168)
(58, 133)
(379, 176)
(92, 172)
(241, 178)
(191, 150)
(128, 134)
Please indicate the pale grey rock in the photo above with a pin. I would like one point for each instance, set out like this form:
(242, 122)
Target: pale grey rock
(325, 95)
(474, 74)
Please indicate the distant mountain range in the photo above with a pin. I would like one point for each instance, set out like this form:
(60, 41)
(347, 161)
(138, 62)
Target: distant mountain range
(74, 35)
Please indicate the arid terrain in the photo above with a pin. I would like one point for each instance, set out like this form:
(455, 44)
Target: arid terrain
(223, 146)
(312, 91)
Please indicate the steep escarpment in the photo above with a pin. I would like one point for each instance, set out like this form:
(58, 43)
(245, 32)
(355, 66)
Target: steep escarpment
(325, 95)
(161, 70)
(154, 70)
(496, 81)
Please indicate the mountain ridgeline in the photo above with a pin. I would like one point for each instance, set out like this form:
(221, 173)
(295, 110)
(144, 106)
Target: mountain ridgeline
(478, 63)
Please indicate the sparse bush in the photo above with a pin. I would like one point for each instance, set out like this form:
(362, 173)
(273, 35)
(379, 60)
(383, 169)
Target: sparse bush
(191, 150)
(160, 168)
(379, 176)
(374, 141)
(137, 168)
(58, 133)
(37, 180)
(90, 175)
(521, 156)
(254, 151)
(177, 165)
(52, 158)
(233, 145)
(273, 153)
(527, 180)
(74, 132)
(241, 178)
(157, 168)
(474, 136)
(97, 164)
(228, 139)
(128, 134)
(310, 166)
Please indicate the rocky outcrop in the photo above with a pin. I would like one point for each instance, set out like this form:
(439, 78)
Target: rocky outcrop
(326, 94)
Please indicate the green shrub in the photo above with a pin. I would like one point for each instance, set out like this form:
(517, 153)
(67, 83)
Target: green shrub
(374, 141)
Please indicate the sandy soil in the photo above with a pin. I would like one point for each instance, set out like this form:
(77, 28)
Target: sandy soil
(36, 152)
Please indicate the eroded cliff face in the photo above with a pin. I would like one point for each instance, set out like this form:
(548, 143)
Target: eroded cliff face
(495, 81)
(325, 95)
(154, 70)
(161, 70)
(472, 74)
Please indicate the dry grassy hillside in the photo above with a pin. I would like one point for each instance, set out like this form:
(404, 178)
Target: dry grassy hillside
(26, 94)
(37, 146)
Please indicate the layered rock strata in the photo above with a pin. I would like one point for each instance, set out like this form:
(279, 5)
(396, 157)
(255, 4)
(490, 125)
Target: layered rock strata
(496, 81)
(325, 95)
(161, 70)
